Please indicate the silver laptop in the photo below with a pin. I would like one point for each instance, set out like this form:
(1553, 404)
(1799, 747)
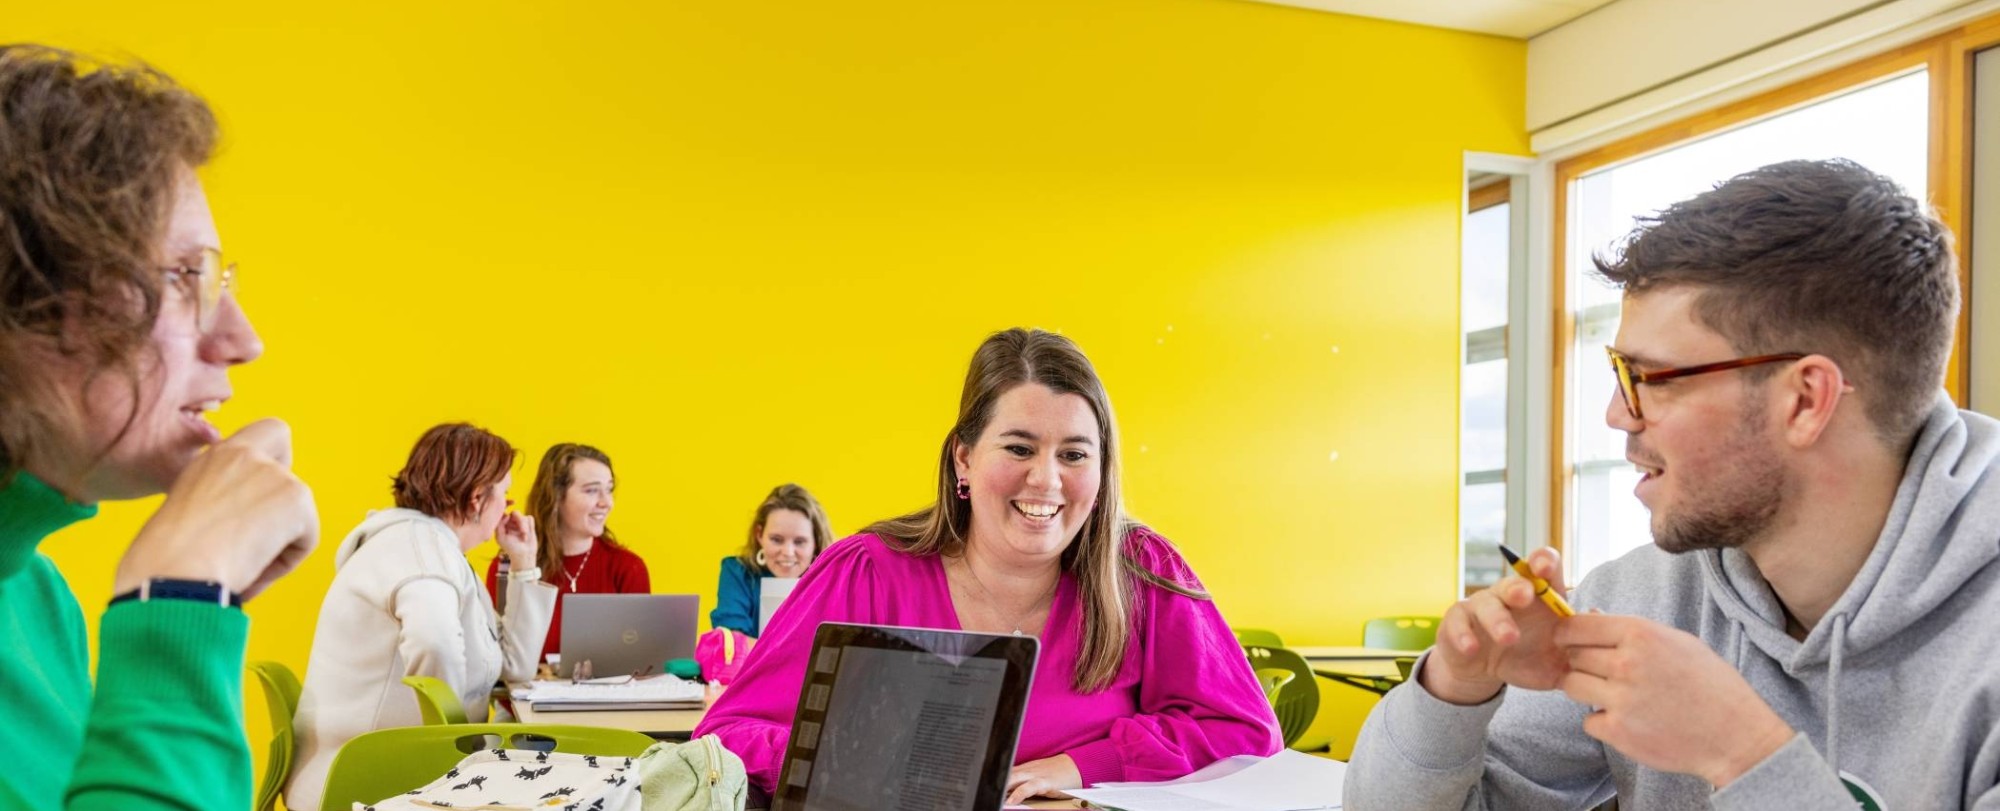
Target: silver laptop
(773, 594)
(627, 633)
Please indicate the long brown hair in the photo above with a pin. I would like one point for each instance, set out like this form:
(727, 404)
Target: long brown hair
(787, 497)
(1106, 576)
(91, 155)
(552, 481)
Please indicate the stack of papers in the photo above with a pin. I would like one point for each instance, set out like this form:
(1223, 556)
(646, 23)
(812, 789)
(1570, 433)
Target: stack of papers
(617, 693)
(1286, 781)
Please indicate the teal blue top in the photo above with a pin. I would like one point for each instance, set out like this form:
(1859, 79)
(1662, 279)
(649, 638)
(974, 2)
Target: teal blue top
(164, 727)
(737, 596)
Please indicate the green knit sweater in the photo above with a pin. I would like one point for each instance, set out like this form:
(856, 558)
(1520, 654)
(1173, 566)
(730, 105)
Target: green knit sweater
(163, 729)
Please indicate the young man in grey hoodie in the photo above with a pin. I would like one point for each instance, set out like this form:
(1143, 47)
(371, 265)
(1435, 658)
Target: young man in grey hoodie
(1817, 624)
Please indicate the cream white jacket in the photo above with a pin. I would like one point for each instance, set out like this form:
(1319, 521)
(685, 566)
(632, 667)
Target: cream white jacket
(404, 602)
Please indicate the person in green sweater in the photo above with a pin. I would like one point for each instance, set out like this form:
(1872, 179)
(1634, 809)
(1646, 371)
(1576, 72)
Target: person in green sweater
(117, 332)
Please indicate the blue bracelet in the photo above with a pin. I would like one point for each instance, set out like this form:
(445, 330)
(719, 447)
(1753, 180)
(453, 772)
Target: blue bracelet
(167, 588)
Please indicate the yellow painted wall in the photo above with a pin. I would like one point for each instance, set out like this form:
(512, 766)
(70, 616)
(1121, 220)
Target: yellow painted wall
(737, 244)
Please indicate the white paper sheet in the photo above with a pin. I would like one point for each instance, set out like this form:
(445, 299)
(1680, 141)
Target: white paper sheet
(1287, 781)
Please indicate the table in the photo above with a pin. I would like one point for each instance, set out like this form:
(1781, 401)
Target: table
(1371, 669)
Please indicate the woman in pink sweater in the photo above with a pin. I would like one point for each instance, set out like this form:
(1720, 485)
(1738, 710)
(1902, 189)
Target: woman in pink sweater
(1139, 677)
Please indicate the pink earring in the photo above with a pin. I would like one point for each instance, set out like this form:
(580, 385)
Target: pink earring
(964, 490)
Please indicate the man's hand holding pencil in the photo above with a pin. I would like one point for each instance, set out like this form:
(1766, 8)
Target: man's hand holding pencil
(1634, 674)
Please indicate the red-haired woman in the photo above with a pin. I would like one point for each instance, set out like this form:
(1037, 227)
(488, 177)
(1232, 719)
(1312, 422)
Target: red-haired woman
(404, 603)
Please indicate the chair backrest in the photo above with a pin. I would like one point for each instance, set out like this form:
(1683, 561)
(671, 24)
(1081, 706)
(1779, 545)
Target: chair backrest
(1274, 678)
(1257, 636)
(1400, 633)
(436, 700)
(388, 762)
(281, 695)
(1296, 700)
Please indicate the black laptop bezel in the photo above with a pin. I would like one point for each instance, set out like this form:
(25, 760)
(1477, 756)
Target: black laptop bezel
(1018, 652)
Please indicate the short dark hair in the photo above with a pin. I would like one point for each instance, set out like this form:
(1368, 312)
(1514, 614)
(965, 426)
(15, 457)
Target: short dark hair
(450, 464)
(1824, 257)
(91, 155)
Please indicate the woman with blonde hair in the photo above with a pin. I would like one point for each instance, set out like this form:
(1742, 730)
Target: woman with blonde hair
(787, 532)
(1139, 677)
(571, 503)
(404, 602)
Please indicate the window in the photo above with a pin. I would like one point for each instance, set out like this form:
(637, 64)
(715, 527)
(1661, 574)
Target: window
(1485, 305)
(1884, 126)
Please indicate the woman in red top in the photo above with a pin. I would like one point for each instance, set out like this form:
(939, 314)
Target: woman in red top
(571, 497)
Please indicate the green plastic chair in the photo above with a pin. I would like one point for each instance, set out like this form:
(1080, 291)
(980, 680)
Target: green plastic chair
(1295, 700)
(1257, 636)
(1274, 678)
(436, 700)
(281, 694)
(388, 762)
(1400, 633)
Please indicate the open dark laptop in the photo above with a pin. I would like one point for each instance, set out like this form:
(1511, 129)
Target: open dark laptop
(906, 719)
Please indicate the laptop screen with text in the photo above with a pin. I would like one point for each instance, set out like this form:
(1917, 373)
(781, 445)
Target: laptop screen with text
(906, 719)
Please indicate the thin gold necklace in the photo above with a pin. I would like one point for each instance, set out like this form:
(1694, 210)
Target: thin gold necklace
(579, 566)
(1047, 597)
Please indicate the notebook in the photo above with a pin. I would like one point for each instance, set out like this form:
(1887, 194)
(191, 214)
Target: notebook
(906, 718)
(620, 693)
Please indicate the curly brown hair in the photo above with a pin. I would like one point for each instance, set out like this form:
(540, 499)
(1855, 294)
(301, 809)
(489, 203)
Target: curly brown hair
(91, 156)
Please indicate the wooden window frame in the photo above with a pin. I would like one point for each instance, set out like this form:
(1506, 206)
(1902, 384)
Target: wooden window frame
(1488, 195)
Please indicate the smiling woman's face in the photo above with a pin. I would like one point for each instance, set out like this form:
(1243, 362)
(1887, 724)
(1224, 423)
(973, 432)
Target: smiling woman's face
(1034, 473)
(586, 506)
(786, 540)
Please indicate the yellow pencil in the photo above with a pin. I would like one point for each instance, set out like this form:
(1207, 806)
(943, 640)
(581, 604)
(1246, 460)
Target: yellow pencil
(1549, 596)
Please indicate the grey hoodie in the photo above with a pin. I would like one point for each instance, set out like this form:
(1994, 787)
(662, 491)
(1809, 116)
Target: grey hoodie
(1895, 694)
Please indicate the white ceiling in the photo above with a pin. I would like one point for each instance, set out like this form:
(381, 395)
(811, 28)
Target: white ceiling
(1520, 19)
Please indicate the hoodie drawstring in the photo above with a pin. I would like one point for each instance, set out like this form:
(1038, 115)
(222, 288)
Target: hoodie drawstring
(1833, 668)
(1742, 644)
